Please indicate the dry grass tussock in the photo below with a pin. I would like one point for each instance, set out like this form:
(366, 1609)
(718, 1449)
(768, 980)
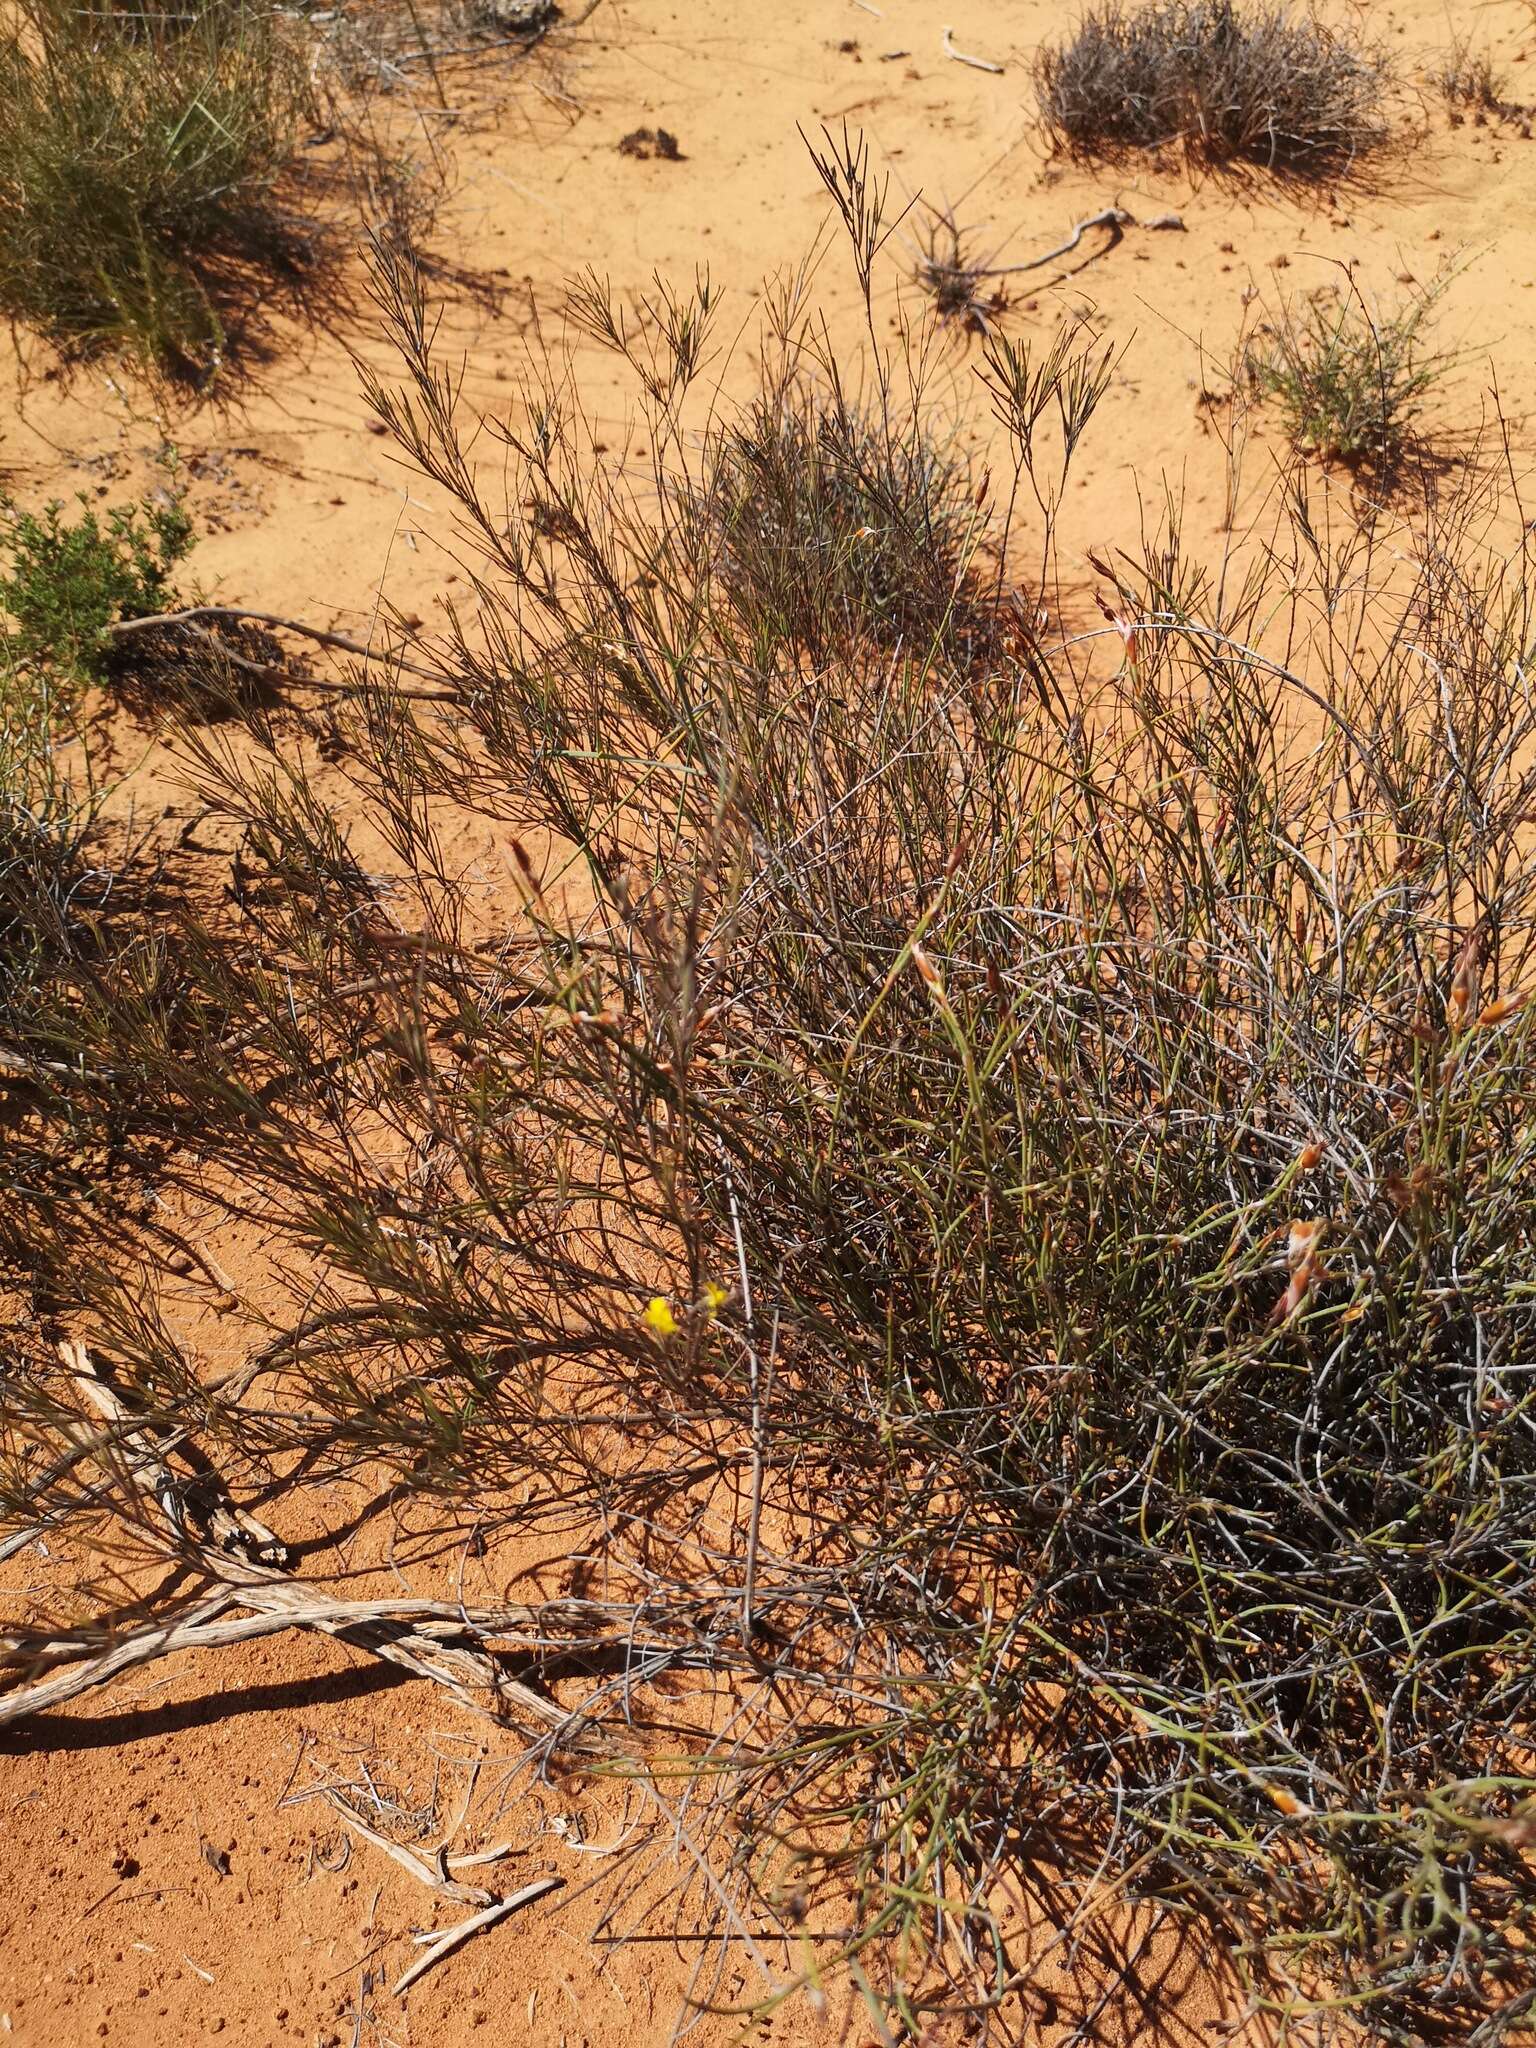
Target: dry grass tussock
(987, 1187)
(1232, 84)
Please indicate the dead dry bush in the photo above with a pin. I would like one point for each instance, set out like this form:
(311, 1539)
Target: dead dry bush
(987, 1195)
(1230, 83)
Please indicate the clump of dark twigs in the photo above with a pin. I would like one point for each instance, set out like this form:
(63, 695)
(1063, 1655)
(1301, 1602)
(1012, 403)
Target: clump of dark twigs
(1469, 81)
(835, 523)
(1231, 83)
(987, 1189)
(962, 283)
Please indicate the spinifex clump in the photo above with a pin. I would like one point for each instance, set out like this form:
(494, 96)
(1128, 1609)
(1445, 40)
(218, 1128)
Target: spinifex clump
(140, 153)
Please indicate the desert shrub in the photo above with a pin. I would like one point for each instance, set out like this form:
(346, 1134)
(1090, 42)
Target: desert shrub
(36, 804)
(1347, 378)
(1469, 78)
(989, 1202)
(1253, 84)
(67, 582)
(140, 153)
(833, 525)
(46, 808)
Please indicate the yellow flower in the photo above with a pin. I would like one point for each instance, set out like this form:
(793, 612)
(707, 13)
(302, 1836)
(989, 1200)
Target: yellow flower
(714, 1299)
(658, 1317)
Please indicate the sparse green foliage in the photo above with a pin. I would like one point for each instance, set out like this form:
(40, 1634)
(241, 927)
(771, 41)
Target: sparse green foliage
(68, 581)
(1347, 377)
(1243, 83)
(140, 153)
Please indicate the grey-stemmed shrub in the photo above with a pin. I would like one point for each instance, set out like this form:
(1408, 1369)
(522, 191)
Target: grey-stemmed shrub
(987, 1193)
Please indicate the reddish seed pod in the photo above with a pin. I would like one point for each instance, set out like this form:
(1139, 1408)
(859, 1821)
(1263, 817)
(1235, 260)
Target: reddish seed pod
(1501, 1008)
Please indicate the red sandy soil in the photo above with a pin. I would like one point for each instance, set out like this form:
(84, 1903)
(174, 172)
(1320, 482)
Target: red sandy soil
(156, 1888)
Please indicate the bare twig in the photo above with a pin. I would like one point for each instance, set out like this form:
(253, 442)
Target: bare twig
(235, 615)
(187, 1629)
(273, 672)
(444, 1944)
(438, 1640)
(425, 1637)
(1114, 218)
(424, 1872)
(962, 57)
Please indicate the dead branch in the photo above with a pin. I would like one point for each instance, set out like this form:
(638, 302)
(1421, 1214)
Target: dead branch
(424, 1872)
(1115, 218)
(418, 1635)
(192, 620)
(445, 1943)
(964, 56)
(233, 614)
(184, 1630)
(438, 1640)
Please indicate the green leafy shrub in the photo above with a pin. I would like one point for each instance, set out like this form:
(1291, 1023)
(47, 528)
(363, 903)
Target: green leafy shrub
(67, 583)
(1348, 379)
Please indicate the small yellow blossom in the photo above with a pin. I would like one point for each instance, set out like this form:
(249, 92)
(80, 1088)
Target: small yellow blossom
(658, 1317)
(714, 1299)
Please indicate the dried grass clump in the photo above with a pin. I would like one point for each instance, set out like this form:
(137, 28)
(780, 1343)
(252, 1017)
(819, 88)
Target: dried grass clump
(1232, 84)
(1468, 79)
(39, 820)
(165, 175)
(834, 524)
(990, 1201)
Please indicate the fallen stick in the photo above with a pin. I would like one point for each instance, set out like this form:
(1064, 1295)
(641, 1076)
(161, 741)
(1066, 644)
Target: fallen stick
(191, 620)
(237, 615)
(960, 57)
(1113, 217)
(424, 1872)
(179, 1631)
(381, 1627)
(427, 1641)
(480, 1856)
(444, 1944)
